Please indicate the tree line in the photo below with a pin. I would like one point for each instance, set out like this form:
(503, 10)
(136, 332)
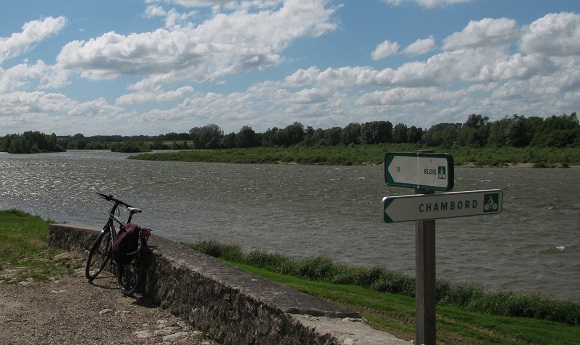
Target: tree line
(30, 142)
(477, 131)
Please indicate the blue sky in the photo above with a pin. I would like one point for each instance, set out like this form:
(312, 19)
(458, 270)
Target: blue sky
(159, 66)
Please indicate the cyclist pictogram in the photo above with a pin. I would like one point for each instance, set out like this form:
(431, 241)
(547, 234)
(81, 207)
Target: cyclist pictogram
(491, 202)
(441, 173)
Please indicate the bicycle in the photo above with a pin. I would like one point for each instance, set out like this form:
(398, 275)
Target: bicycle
(128, 275)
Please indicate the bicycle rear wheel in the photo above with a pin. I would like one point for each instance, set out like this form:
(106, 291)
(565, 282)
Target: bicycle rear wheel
(131, 275)
(99, 255)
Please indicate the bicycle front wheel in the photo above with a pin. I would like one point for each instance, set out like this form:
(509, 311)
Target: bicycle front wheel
(99, 255)
(131, 275)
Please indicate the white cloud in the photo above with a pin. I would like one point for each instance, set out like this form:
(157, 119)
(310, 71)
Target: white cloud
(426, 3)
(385, 49)
(157, 95)
(19, 76)
(173, 18)
(94, 108)
(224, 44)
(21, 102)
(556, 34)
(155, 11)
(420, 46)
(447, 68)
(487, 32)
(32, 33)
(194, 3)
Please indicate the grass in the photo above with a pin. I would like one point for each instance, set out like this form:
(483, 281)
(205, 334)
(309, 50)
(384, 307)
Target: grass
(24, 251)
(372, 155)
(324, 155)
(465, 314)
(538, 157)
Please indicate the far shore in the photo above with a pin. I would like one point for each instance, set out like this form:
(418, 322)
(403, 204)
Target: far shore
(515, 166)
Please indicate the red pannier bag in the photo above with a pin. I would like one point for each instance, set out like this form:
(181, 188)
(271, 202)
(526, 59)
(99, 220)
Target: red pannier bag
(126, 244)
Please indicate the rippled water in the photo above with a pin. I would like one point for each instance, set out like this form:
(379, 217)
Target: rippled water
(533, 246)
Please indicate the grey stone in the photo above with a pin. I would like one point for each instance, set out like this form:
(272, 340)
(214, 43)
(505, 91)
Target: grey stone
(231, 305)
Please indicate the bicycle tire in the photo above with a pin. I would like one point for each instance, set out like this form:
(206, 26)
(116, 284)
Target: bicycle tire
(98, 256)
(131, 275)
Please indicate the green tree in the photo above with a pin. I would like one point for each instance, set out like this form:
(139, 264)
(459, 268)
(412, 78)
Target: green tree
(294, 133)
(246, 138)
(376, 132)
(400, 133)
(210, 136)
(351, 134)
(332, 136)
(557, 131)
(228, 141)
(414, 135)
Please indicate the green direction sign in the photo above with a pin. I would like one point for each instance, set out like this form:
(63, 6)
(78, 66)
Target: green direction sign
(445, 205)
(419, 170)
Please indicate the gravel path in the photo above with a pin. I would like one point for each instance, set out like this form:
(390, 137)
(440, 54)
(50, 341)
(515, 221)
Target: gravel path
(69, 310)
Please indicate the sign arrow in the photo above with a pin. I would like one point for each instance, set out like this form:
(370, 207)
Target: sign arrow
(419, 170)
(446, 205)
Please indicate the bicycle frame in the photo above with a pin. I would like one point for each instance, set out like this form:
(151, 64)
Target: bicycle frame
(110, 226)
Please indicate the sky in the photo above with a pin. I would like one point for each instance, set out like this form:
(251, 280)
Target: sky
(159, 66)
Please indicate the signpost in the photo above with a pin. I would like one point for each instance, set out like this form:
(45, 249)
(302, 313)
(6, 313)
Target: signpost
(419, 170)
(446, 205)
(428, 172)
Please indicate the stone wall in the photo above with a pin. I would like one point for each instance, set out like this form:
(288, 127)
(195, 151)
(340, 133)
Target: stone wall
(232, 305)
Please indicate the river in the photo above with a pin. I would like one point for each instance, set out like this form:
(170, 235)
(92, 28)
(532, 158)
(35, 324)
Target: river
(334, 211)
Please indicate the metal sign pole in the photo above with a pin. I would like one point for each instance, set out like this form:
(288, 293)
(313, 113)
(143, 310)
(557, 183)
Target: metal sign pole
(425, 294)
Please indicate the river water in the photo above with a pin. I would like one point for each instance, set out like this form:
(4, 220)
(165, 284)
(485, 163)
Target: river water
(334, 211)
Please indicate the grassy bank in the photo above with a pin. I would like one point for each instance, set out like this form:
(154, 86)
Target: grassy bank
(466, 314)
(24, 254)
(372, 154)
(24, 251)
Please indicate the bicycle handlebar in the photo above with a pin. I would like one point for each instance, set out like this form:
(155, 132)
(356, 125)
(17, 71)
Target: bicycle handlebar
(110, 197)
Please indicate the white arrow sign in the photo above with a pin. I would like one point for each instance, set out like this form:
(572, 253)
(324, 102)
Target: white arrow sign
(446, 205)
(419, 170)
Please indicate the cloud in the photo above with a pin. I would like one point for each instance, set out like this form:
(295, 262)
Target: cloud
(173, 18)
(18, 76)
(556, 34)
(426, 3)
(21, 102)
(487, 32)
(157, 95)
(224, 44)
(420, 46)
(444, 69)
(194, 3)
(32, 32)
(385, 49)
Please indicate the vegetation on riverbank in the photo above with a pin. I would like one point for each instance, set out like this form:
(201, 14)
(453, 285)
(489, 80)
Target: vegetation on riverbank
(466, 314)
(476, 133)
(30, 142)
(373, 155)
(470, 298)
(24, 251)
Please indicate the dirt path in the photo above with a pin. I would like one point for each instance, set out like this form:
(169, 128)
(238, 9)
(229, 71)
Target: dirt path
(69, 310)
